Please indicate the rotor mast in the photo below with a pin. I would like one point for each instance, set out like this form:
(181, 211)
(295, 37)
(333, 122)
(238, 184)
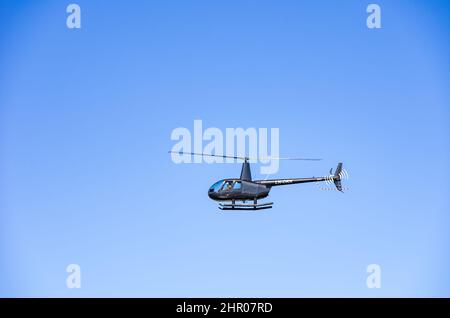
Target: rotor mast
(246, 174)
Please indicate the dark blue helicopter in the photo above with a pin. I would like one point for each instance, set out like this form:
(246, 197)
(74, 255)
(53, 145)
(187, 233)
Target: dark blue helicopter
(245, 189)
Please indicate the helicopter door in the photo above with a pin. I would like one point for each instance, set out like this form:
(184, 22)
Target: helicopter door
(227, 186)
(230, 187)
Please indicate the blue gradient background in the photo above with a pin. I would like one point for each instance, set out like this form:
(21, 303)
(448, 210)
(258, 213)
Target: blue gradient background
(85, 123)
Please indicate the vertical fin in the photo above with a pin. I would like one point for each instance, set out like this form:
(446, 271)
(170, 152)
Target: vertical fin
(337, 177)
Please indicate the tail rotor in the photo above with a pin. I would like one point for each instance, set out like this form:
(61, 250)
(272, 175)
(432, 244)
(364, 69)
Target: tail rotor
(338, 175)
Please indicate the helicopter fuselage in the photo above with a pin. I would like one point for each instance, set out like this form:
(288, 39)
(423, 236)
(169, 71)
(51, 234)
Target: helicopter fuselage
(238, 190)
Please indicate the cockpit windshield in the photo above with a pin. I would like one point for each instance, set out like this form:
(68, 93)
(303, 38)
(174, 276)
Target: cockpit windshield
(216, 186)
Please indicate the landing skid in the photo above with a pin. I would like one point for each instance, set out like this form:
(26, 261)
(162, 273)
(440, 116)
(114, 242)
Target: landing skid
(251, 207)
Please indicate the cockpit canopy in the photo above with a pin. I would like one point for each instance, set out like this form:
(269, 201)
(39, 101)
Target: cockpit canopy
(225, 185)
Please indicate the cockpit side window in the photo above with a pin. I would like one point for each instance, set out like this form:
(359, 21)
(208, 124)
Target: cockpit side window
(237, 185)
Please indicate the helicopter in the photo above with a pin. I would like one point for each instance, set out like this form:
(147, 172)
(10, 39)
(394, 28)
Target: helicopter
(245, 189)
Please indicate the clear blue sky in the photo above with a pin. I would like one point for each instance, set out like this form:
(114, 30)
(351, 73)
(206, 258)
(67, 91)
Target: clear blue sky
(85, 123)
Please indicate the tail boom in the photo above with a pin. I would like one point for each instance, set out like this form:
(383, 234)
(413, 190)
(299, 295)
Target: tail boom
(280, 182)
(336, 178)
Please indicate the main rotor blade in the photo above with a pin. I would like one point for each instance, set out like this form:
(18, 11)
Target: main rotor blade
(277, 158)
(241, 158)
(207, 155)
